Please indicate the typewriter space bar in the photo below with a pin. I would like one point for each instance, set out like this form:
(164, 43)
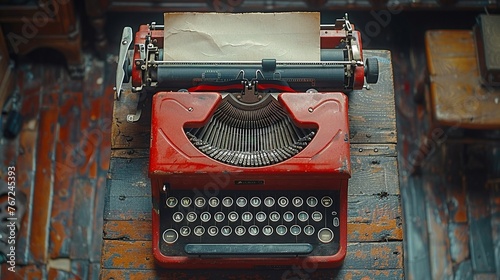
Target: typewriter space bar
(249, 249)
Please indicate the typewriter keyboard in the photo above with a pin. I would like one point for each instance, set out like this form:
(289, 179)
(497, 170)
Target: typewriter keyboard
(250, 223)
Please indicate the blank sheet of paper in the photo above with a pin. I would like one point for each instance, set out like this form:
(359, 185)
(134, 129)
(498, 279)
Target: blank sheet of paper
(242, 37)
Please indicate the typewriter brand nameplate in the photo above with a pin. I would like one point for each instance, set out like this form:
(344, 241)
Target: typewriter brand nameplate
(249, 182)
(242, 37)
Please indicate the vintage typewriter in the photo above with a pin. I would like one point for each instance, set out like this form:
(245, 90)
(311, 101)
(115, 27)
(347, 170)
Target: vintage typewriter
(248, 170)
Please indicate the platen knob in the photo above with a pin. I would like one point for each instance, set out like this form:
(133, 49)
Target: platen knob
(371, 70)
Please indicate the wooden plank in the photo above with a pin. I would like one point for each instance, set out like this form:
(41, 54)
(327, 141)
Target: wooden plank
(457, 199)
(58, 274)
(417, 263)
(372, 114)
(27, 272)
(127, 208)
(374, 218)
(482, 255)
(25, 166)
(97, 219)
(81, 231)
(100, 117)
(127, 230)
(104, 124)
(65, 167)
(464, 270)
(495, 220)
(451, 189)
(365, 274)
(118, 254)
(80, 269)
(437, 223)
(130, 153)
(485, 276)
(95, 271)
(373, 175)
(458, 235)
(375, 149)
(44, 181)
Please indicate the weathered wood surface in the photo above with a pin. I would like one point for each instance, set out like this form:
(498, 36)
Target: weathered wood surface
(61, 156)
(374, 212)
(451, 203)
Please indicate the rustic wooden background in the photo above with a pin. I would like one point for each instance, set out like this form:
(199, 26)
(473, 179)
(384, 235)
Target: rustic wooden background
(62, 157)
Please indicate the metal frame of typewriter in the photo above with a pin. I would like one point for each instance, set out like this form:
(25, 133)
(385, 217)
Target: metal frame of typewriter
(175, 163)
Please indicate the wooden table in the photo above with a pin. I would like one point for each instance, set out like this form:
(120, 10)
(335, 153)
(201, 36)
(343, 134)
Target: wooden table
(375, 232)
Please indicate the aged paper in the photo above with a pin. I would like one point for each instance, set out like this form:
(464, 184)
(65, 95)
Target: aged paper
(242, 37)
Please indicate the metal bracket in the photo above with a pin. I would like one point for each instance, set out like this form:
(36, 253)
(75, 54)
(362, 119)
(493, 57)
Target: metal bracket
(131, 118)
(122, 58)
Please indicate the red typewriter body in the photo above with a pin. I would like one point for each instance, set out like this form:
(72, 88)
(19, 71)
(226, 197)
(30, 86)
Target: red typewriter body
(323, 165)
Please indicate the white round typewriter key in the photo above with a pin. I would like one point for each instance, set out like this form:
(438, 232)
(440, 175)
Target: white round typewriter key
(281, 230)
(288, 216)
(325, 235)
(316, 216)
(171, 202)
(185, 231)
(255, 201)
(186, 201)
(213, 230)
(232, 216)
(326, 201)
(191, 217)
(297, 201)
(309, 230)
(240, 230)
(283, 201)
(226, 230)
(199, 202)
(253, 230)
(213, 202)
(269, 201)
(274, 216)
(199, 230)
(227, 201)
(170, 236)
(267, 230)
(219, 217)
(241, 201)
(246, 217)
(260, 216)
(295, 230)
(177, 217)
(205, 217)
(312, 201)
(303, 216)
